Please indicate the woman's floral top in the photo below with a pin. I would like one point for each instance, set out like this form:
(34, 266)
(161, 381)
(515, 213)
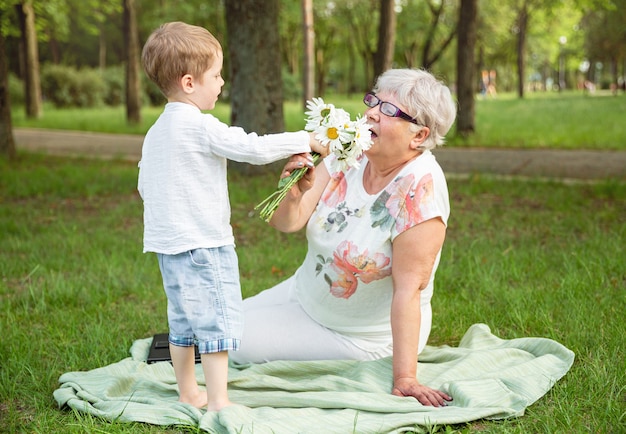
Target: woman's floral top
(345, 281)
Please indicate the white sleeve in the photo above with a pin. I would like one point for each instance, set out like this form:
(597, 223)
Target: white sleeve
(235, 144)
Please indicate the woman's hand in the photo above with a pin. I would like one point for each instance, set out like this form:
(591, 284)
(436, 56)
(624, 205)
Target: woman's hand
(424, 394)
(300, 161)
(296, 208)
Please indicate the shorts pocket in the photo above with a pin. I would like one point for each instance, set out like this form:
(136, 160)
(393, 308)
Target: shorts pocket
(200, 257)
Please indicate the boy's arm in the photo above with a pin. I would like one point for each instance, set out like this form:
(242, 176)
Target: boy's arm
(233, 143)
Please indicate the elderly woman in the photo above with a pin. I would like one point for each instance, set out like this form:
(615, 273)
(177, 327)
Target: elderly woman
(374, 235)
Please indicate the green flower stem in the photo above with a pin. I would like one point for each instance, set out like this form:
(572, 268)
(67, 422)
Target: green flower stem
(270, 204)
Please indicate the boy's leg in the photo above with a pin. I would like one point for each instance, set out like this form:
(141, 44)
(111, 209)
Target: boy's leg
(183, 361)
(178, 284)
(217, 321)
(215, 367)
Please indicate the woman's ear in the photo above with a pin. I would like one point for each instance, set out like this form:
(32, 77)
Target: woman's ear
(419, 137)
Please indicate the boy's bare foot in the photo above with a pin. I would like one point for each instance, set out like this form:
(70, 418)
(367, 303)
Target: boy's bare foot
(218, 405)
(199, 400)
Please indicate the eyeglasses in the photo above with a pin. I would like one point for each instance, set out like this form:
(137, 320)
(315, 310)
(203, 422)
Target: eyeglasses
(386, 108)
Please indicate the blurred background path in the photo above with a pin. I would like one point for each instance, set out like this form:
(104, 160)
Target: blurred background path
(534, 163)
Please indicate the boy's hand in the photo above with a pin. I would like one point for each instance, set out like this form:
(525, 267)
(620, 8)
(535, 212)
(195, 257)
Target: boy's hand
(316, 146)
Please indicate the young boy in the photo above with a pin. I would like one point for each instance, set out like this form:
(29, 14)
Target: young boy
(182, 181)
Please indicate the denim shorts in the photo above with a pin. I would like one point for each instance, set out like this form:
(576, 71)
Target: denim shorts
(204, 305)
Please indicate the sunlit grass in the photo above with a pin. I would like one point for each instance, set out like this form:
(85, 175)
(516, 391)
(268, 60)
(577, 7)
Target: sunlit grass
(528, 258)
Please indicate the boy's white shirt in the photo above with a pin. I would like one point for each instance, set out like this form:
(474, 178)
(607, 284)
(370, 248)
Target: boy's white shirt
(182, 176)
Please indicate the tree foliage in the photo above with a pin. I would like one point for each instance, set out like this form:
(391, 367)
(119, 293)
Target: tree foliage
(89, 33)
(426, 31)
(605, 37)
(518, 39)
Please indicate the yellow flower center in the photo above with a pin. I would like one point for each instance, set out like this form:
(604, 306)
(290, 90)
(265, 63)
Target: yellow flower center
(332, 133)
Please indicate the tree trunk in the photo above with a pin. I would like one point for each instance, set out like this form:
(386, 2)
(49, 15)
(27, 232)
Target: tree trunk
(102, 48)
(55, 51)
(7, 142)
(466, 88)
(256, 81)
(32, 84)
(308, 69)
(133, 89)
(383, 58)
(522, 24)
(322, 43)
(255, 68)
(320, 74)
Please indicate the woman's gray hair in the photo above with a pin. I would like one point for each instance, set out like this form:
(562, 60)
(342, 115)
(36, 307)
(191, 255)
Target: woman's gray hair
(425, 98)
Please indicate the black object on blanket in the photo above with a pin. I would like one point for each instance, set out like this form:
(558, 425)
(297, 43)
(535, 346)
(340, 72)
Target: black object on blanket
(160, 349)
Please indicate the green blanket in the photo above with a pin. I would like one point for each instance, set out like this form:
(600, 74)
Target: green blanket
(488, 377)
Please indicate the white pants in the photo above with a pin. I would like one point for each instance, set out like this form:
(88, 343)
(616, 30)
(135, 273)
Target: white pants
(277, 328)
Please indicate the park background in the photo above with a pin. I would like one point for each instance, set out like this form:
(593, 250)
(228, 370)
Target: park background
(529, 257)
(71, 53)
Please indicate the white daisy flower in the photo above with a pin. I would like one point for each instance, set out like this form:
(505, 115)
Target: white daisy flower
(332, 131)
(318, 110)
(332, 126)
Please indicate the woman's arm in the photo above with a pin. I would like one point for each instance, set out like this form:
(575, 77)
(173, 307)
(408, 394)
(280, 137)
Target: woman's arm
(414, 254)
(296, 208)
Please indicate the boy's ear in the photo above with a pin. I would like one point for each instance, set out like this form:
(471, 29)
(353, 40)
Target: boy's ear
(186, 83)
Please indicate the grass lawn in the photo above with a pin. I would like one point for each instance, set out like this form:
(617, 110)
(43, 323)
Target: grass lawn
(569, 120)
(528, 258)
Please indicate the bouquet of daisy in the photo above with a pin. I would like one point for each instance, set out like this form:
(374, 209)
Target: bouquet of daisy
(347, 139)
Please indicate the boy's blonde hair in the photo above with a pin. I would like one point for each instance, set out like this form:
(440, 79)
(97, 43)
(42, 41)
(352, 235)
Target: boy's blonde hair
(176, 49)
